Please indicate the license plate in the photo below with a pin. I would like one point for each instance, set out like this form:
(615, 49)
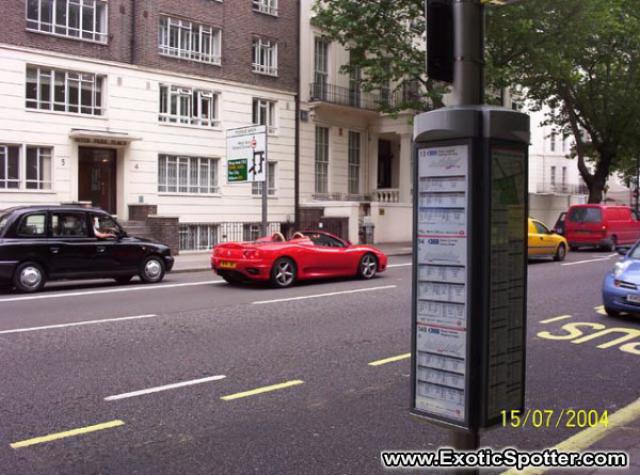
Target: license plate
(633, 298)
(227, 265)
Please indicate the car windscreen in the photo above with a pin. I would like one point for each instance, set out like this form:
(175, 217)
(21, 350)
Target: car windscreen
(585, 215)
(4, 221)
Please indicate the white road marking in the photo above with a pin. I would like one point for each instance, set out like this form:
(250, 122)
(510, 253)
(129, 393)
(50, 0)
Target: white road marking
(166, 387)
(76, 324)
(107, 291)
(406, 264)
(329, 294)
(589, 260)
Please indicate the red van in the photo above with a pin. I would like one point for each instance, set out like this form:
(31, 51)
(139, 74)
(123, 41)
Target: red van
(601, 226)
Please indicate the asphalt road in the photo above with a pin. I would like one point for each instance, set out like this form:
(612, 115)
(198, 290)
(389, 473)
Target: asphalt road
(71, 357)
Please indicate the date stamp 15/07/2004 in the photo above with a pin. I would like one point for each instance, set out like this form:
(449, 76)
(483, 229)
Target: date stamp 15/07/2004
(554, 418)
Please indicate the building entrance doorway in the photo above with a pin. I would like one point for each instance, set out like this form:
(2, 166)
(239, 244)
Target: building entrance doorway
(97, 177)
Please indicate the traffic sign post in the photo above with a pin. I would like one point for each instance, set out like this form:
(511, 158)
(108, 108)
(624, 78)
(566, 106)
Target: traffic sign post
(247, 161)
(470, 247)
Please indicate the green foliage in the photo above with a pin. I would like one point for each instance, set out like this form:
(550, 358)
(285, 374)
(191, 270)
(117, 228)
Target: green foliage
(385, 39)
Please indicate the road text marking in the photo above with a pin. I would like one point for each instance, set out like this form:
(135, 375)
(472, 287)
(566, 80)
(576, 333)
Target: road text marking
(329, 294)
(65, 434)
(600, 309)
(393, 359)
(108, 291)
(264, 389)
(166, 387)
(76, 324)
(588, 437)
(556, 319)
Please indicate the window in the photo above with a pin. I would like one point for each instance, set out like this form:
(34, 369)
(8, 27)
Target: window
(321, 68)
(251, 231)
(38, 168)
(9, 167)
(585, 215)
(187, 174)
(264, 113)
(183, 105)
(33, 225)
(355, 76)
(322, 160)
(552, 144)
(256, 187)
(564, 176)
(354, 163)
(69, 225)
(81, 19)
(270, 7)
(64, 91)
(105, 225)
(187, 40)
(323, 240)
(198, 237)
(553, 175)
(540, 228)
(265, 57)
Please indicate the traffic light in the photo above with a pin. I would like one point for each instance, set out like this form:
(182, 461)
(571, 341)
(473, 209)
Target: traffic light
(439, 15)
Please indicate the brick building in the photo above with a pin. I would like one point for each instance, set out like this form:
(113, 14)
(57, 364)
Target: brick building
(126, 103)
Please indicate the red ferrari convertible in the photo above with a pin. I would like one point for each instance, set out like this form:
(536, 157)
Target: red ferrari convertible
(307, 255)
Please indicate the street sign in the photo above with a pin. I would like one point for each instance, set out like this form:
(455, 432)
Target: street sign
(247, 154)
(469, 273)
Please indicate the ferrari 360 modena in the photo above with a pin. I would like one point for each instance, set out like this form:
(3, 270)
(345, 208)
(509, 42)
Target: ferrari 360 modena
(307, 255)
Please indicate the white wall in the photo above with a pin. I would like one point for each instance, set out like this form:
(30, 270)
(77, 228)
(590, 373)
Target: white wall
(393, 222)
(132, 108)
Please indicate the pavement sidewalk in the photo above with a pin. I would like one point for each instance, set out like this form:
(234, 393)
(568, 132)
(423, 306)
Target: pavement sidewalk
(197, 261)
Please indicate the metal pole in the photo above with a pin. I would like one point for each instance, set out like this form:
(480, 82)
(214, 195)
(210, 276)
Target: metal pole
(637, 182)
(468, 89)
(465, 441)
(265, 186)
(468, 53)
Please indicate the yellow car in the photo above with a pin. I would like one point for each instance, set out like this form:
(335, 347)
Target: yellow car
(543, 242)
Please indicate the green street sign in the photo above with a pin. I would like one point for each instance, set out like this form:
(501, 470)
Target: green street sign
(237, 170)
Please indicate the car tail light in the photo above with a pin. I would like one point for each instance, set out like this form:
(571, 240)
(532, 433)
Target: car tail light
(251, 254)
(604, 230)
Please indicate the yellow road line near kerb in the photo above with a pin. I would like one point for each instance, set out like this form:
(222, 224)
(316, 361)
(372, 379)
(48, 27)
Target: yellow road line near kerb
(588, 437)
(600, 309)
(393, 359)
(65, 434)
(264, 389)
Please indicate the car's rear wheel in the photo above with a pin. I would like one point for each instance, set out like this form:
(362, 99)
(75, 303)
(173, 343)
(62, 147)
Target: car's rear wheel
(561, 253)
(29, 277)
(123, 279)
(612, 244)
(152, 270)
(611, 312)
(283, 273)
(368, 266)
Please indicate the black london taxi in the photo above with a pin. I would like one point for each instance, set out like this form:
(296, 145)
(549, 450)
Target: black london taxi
(41, 243)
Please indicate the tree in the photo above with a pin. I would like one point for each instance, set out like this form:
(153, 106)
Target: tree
(581, 58)
(385, 39)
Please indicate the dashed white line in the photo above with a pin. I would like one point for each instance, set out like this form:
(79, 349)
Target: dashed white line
(328, 294)
(406, 264)
(588, 261)
(76, 324)
(166, 387)
(107, 291)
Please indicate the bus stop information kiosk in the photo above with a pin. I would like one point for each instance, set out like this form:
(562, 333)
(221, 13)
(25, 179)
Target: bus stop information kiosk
(470, 265)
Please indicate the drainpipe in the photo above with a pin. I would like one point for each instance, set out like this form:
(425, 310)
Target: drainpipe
(296, 158)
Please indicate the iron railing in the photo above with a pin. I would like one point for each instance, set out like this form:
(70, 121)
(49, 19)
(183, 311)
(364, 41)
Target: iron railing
(564, 188)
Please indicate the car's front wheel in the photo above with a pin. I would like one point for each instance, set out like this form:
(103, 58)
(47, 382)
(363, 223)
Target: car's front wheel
(283, 273)
(29, 277)
(561, 253)
(611, 312)
(368, 266)
(152, 270)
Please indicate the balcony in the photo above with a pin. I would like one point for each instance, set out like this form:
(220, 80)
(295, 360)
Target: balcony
(563, 188)
(387, 195)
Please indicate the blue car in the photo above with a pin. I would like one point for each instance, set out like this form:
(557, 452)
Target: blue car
(621, 286)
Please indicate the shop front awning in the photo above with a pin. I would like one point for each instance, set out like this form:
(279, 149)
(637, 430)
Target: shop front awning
(102, 137)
